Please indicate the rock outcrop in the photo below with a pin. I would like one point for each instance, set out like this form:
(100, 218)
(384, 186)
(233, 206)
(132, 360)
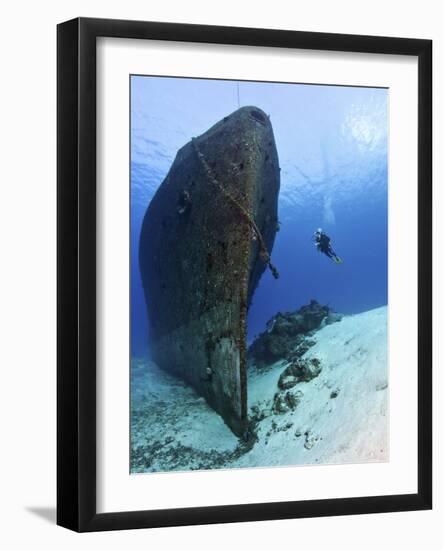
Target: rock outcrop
(286, 335)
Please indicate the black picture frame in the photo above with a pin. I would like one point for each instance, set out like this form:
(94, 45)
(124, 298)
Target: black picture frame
(76, 281)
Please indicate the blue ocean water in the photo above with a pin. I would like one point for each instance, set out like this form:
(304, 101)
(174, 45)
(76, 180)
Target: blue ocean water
(332, 146)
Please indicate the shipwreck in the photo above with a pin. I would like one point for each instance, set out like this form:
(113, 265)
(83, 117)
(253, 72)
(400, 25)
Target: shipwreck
(206, 239)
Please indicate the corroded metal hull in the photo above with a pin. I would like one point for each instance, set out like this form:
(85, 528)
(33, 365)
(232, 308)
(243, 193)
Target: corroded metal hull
(205, 242)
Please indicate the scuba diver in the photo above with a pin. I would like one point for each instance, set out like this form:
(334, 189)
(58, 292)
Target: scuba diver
(323, 244)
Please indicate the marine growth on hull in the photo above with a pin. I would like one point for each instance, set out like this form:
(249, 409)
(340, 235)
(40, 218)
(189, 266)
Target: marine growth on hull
(206, 239)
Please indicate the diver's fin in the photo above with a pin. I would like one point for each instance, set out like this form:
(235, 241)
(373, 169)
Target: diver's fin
(338, 260)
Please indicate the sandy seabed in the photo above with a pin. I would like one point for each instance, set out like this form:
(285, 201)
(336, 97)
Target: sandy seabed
(341, 416)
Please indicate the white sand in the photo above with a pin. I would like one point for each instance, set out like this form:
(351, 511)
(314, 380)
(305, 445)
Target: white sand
(179, 431)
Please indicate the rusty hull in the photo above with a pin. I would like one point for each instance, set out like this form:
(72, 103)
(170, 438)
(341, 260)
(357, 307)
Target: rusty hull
(200, 261)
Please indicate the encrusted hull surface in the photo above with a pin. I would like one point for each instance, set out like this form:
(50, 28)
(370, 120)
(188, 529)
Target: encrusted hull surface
(206, 239)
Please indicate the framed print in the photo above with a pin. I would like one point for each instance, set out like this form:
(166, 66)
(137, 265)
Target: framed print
(244, 274)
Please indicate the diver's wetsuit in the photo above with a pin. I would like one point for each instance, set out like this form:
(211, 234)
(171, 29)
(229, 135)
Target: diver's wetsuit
(323, 243)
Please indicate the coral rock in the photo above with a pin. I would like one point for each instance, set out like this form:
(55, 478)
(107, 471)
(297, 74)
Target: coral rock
(286, 333)
(302, 370)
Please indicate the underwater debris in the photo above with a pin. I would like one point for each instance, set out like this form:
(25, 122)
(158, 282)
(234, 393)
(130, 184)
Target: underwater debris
(258, 414)
(302, 348)
(286, 401)
(286, 334)
(333, 317)
(205, 258)
(310, 440)
(302, 370)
